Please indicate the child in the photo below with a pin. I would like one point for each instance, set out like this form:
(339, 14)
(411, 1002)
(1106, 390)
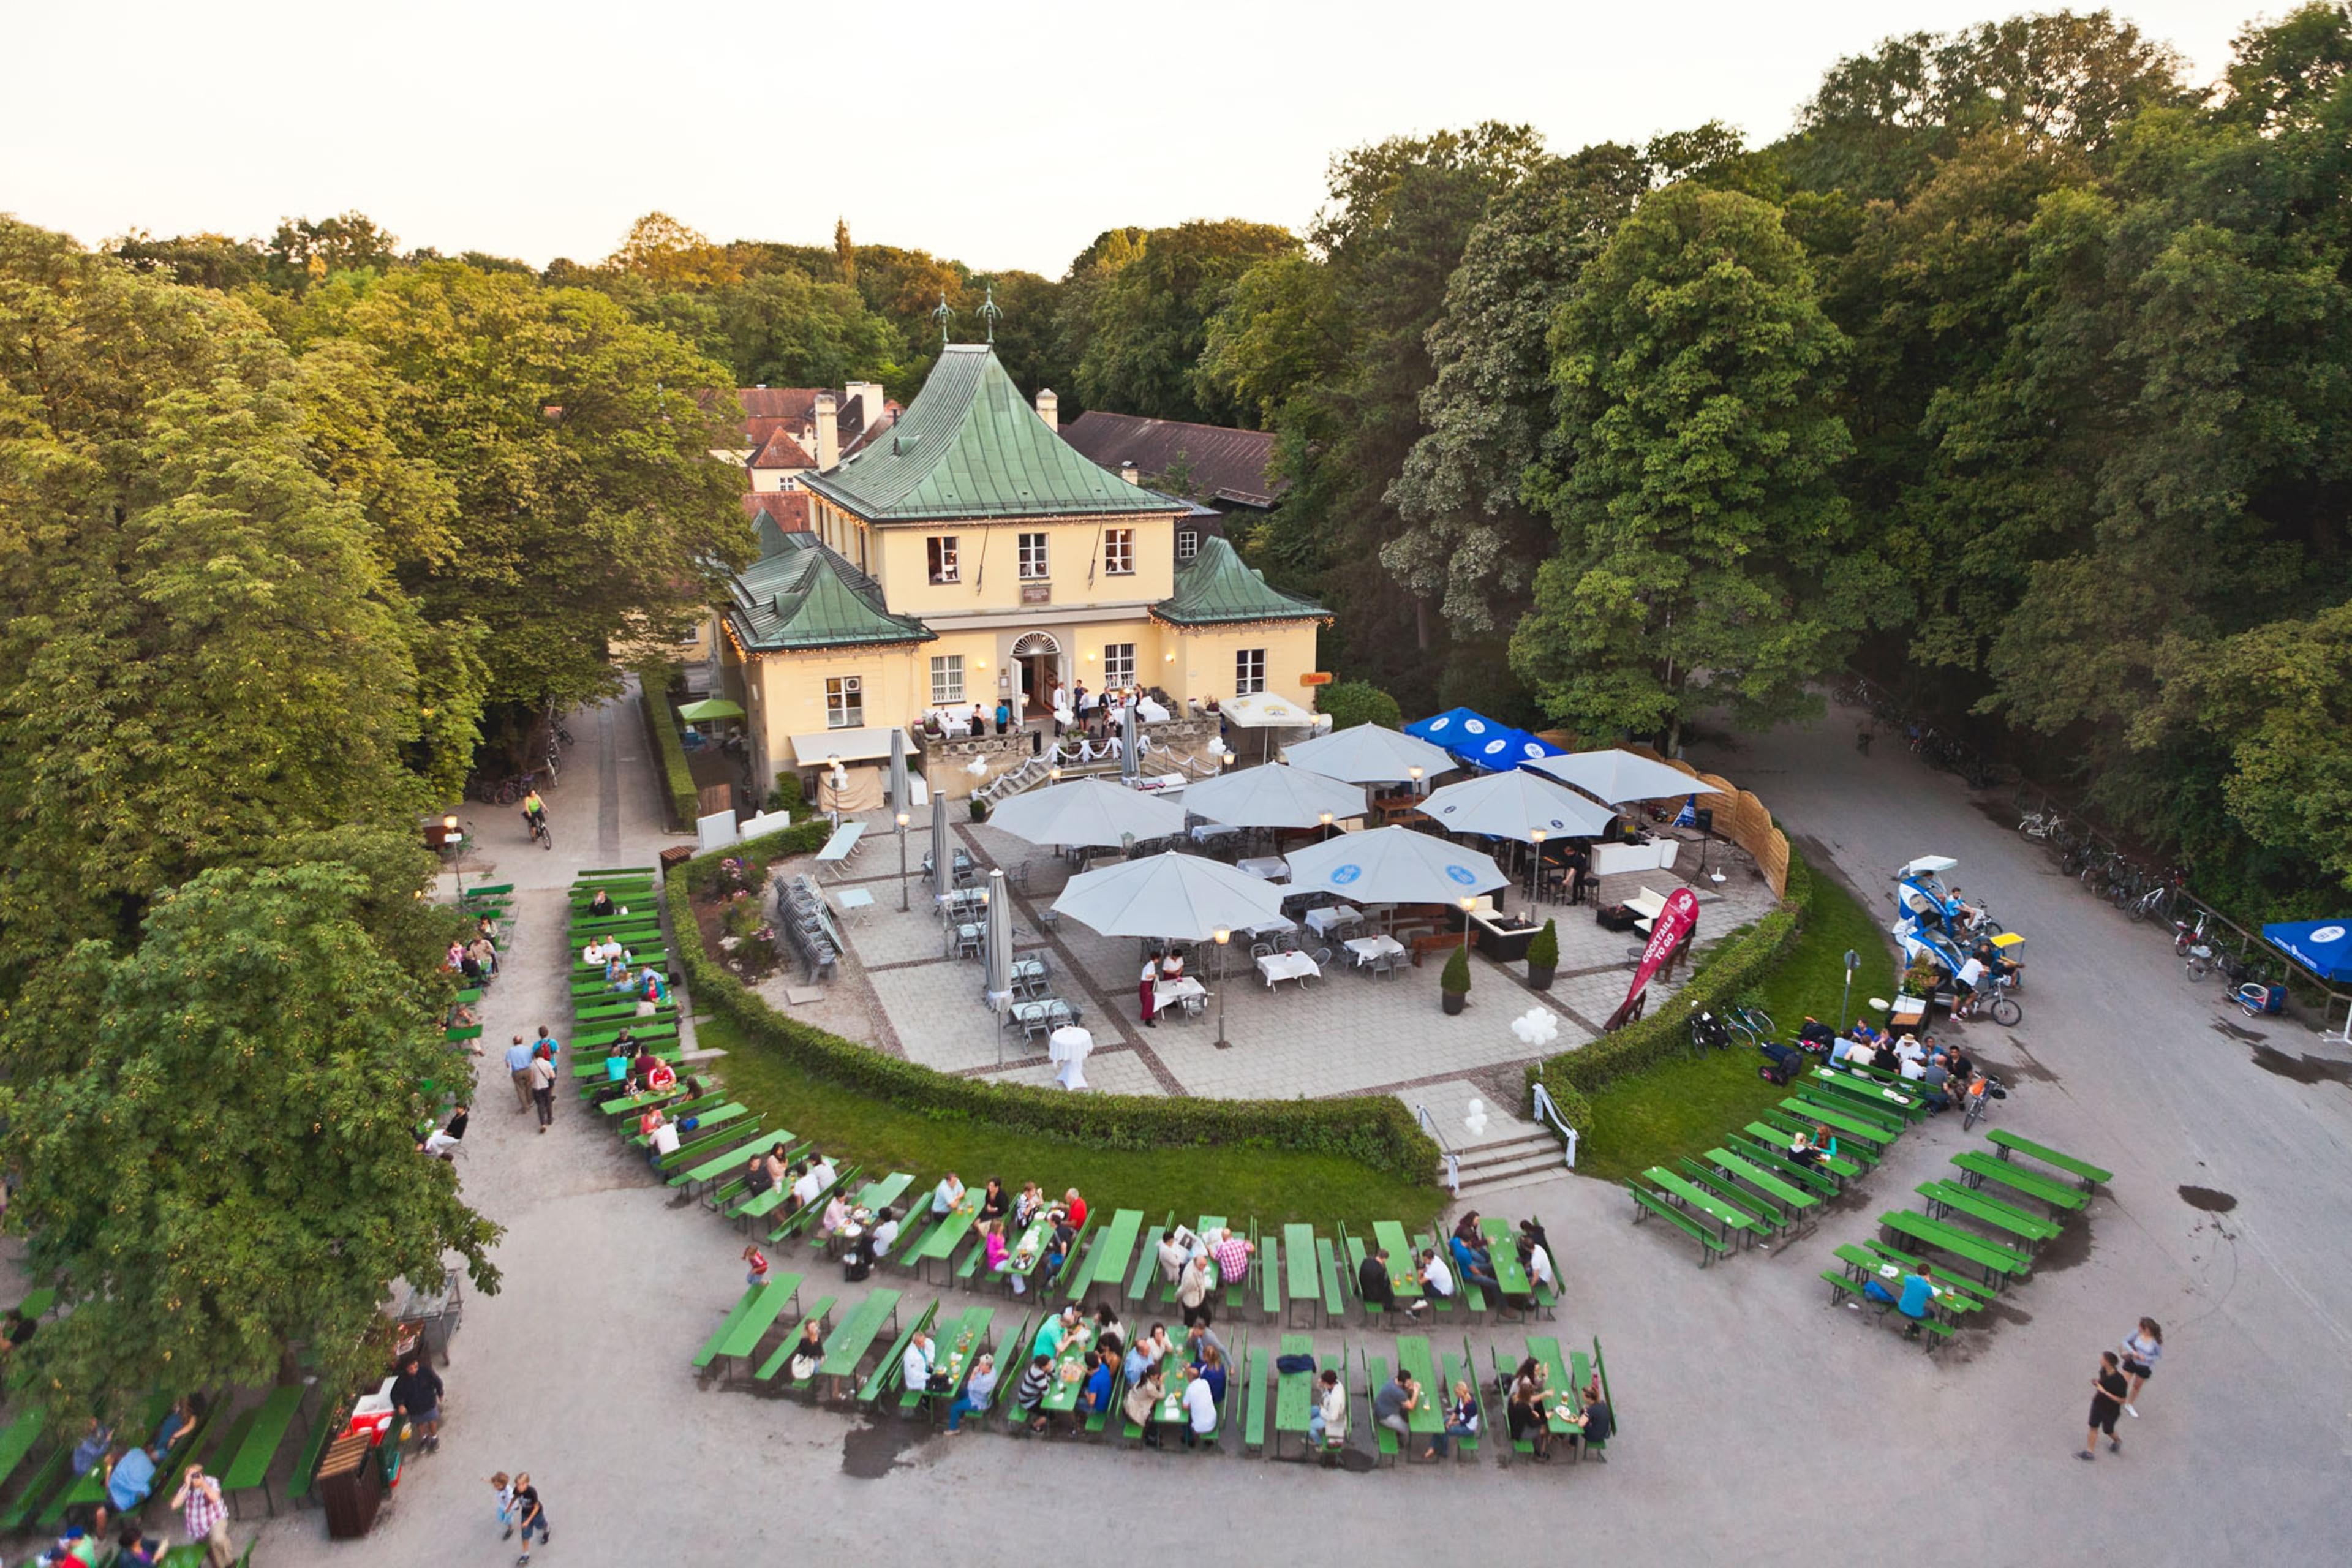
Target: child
(504, 1487)
(758, 1262)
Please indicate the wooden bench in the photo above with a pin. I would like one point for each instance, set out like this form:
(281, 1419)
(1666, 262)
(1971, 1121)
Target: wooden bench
(2009, 1174)
(248, 1466)
(1646, 1203)
(784, 1352)
(2006, 1142)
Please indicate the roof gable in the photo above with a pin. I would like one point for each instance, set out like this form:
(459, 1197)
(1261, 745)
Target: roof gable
(803, 595)
(1228, 464)
(1215, 587)
(970, 446)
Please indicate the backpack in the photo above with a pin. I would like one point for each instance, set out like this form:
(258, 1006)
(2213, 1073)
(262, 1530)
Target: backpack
(1287, 1364)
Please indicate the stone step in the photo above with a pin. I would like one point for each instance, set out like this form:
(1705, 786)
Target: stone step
(1507, 1148)
(1540, 1165)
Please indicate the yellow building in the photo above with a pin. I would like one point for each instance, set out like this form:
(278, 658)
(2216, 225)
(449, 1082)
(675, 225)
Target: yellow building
(968, 556)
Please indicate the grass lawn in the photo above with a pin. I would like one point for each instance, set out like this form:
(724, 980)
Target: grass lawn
(1272, 1185)
(1683, 1107)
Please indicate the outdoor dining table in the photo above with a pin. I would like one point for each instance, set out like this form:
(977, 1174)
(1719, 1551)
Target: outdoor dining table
(1503, 1256)
(1176, 1378)
(1280, 925)
(1168, 994)
(963, 902)
(1027, 1249)
(1280, 966)
(942, 1240)
(1267, 867)
(1069, 1365)
(1367, 948)
(1323, 922)
(1025, 971)
(1205, 831)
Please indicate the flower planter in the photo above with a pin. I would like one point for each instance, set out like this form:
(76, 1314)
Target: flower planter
(1454, 1001)
(1541, 979)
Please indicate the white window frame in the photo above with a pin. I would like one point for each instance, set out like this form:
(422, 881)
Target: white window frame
(1119, 552)
(1036, 565)
(1188, 544)
(946, 680)
(1249, 671)
(1118, 663)
(946, 563)
(845, 702)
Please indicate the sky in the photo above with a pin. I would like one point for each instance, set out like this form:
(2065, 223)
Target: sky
(1007, 135)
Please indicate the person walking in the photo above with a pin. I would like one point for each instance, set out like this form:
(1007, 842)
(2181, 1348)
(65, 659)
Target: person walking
(416, 1395)
(2140, 1349)
(519, 1056)
(206, 1516)
(2107, 1390)
(541, 1073)
(529, 1514)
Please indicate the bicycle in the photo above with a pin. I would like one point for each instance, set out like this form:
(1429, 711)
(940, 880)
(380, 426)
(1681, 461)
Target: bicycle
(1987, 1087)
(511, 790)
(2044, 824)
(2186, 935)
(1999, 1004)
(2156, 900)
(538, 826)
(1709, 1033)
(1751, 1023)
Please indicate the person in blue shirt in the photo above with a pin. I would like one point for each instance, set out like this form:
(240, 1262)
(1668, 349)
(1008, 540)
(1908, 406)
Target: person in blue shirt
(1472, 1264)
(1098, 1380)
(130, 1480)
(1916, 1301)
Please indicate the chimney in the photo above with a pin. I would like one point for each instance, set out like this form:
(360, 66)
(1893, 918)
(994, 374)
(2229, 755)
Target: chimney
(1127, 471)
(828, 433)
(867, 395)
(1049, 408)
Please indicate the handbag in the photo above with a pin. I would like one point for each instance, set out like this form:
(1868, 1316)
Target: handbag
(803, 1368)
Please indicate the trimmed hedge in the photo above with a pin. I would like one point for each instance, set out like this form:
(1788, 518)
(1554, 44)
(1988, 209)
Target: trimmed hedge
(1729, 972)
(1354, 702)
(669, 746)
(1375, 1130)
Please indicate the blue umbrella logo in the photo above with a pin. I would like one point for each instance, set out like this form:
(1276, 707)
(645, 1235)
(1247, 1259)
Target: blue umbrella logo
(1343, 875)
(1462, 874)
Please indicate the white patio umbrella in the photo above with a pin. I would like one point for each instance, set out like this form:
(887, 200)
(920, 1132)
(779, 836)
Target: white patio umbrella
(1392, 865)
(1182, 897)
(1516, 804)
(942, 849)
(1366, 753)
(1130, 763)
(996, 950)
(1087, 813)
(1272, 796)
(898, 769)
(1612, 776)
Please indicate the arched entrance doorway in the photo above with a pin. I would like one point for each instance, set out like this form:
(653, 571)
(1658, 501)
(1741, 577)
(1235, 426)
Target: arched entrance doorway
(1038, 658)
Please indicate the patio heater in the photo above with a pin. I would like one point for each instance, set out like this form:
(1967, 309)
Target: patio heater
(1222, 938)
(902, 862)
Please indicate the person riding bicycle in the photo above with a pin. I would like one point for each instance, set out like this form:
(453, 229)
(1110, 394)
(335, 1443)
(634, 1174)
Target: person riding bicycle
(534, 811)
(2002, 969)
(1964, 988)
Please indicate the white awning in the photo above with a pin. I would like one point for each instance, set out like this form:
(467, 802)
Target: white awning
(1266, 710)
(869, 744)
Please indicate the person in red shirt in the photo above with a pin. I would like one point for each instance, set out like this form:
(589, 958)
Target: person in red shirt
(1076, 1208)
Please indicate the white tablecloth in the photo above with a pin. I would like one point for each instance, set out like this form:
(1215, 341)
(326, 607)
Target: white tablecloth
(1267, 867)
(1205, 831)
(1321, 921)
(1274, 927)
(1288, 966)
(1067, 1048)
(1367, 948)
(1168, 994)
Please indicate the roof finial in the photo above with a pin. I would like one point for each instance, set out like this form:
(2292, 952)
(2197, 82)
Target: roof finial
(991, 311)
(943, 316)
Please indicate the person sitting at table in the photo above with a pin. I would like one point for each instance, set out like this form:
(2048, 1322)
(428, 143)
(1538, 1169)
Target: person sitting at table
(1474, 1263)
(1175, 1251)
(836, 1216)
(1393, 1405)
(1233, 1255)
(1144, 1354)
(660, 1078)
(1915, 1299)
(1208, 1360)
(176, 1424)
(1029, 1394)
(130, 1479)
(1094, 1393)
(1436, 1275)
(601, 905)
(974, 1394)
(918, 1365)
(1142, 1404)
(1026, 1206)
(992, 1202)
(757, 1178)
(1824, 1141)
(1862, 1055)
(1909, 1049)
(1110, 1335)
(946, 1196)
(1075, 1207)
(1058, 1242)
(1596, 1421)
(1935, 1083)
(885, 1231)
(1802, 1152)
(1536, 1257)
(1203, 1400)
(642, 1068)
(1461, 1414)
(1374, 1288)
(805, 1186)
(1328, 1428)
(1053, 1332)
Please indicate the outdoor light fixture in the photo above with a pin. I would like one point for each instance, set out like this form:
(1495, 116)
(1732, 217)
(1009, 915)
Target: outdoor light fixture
(1054, 774)
(1327, 825)
(902, 862)
(1413, 773)
(1229, 759)
(1466, 903)
(1222, 936)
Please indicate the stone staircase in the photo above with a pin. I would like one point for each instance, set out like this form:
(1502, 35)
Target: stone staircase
(1029, 775)
(1510, 1160)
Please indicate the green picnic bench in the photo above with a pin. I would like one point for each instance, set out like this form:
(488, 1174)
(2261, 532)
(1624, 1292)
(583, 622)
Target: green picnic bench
(706, 1122)
(2033, 1183)
(89, 1486)
(1946, 1198)
(792, 1224)
(1114, 1248)
(1580, 1373)
(737, 1338)
(886, 1371)
(2007, 1143)
(1883, 1124)
(782, 1353)
(1253, 1398)
(1146, 1274)
(1815, 1178)
(1546, 1350)
(1460, 1369)
(1305, 1289)
(1769, 1217)
(846, 1347)
(1779, 1127)
(1385, 1443)
(490, 890)
(1472, 1295)
(1294, 1398)
(1415, 1356)
(1998, 1262)
(1734, 1222)
(1269, 1278)
(1873, 1137)
(1327, 1266)
(17, 1440)
(1881, 1097)
(1786, 1192)
(1518, 1292)
(249, 1466)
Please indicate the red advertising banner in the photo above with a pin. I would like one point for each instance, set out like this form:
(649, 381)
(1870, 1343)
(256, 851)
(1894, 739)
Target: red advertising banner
(1667, 932)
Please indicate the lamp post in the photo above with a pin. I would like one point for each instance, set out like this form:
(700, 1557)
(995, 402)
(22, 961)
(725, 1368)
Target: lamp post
(449, 835)
(902, 862)
(1222, 936)
(1327, 826)
(1413, 775)
(1466, 903)
(1535, 887)
(1229, 757)
(1853, 963)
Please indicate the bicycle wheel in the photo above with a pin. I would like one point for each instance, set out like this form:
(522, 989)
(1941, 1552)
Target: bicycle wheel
(2006, 1012)
(1745, 1034)
(1761, 1021)
(2198, 968)
(1976, 1109)
(1990, 929)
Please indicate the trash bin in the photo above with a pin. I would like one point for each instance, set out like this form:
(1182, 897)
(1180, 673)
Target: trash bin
(350, 1486)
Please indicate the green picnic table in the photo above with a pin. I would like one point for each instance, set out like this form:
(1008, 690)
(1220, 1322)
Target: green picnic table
(1404, 1263)
(1778, 1127)
(1878, 1096)
(1889, 1123)
(955, 1346)
(1875, 1136)
(1114, 1249)
(249, 1466)
(1294, 1395)
(17, 1440)
(1304, 1288)
(1062, 1394)
(1953, 1295)
(751, 1319)
(2029, 1228)
(1816, 1178)
(1413, 1355)
(2033, 1184)
(703, 1121)
(1503, 1258)
(2008, 1142)
(489, 891)
(942, 1240)
(1561, 1399)
(852, 1337)
(1693, 1196)
(1763, 1180)
(1996, 1260)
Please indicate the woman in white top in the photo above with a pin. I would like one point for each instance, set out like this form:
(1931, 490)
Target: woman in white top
(2141, 1348)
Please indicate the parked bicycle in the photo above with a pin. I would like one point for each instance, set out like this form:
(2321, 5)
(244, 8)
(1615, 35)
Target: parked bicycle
(1752, 1024)
(1983, 1089)
(1709, 1033)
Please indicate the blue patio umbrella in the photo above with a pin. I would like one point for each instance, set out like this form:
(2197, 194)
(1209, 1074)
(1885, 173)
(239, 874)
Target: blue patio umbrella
(2324, 947)
(1479, 741)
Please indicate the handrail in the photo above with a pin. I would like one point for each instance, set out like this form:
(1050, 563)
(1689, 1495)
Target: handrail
(1453, 1160)
(1548, 1111)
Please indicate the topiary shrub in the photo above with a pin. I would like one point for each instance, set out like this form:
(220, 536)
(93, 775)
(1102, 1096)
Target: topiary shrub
(1456, 977)
(1543, 951)
(1354, 702)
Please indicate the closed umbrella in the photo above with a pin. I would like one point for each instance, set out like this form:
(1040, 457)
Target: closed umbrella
(942, 849)
(1130, 763)
(1612, 776)
(1087, 813)
(1272, 796)
(898, 769)
(996, 951)
(1366, 753)
(1175, 897)
(1516, 804)
(1392, 865)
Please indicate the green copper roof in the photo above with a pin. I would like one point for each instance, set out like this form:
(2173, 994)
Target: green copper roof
(970, 446)
(807, 596)
(1216, 588)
